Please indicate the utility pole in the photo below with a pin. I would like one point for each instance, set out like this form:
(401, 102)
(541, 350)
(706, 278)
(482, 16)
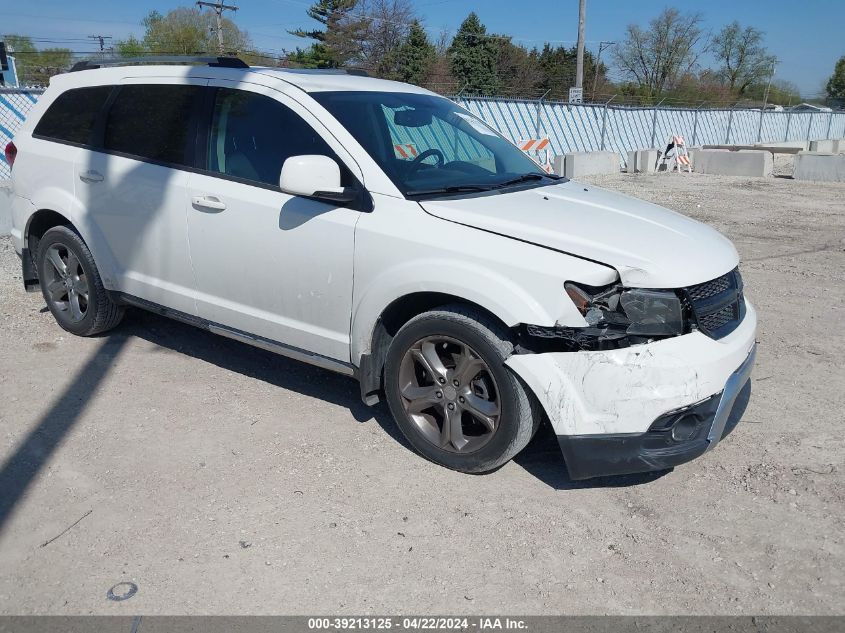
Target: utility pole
(579, 62)
(101, 40)
(219, 8)
(602, 45)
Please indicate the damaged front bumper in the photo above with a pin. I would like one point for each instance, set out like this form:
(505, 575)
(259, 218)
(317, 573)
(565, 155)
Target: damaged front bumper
(645, 407)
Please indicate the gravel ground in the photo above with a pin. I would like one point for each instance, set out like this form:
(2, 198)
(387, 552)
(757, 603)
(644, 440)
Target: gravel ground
(222, 479)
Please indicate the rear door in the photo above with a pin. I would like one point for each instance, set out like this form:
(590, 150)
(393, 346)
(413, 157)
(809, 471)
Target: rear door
(267, 263)
(133, 187)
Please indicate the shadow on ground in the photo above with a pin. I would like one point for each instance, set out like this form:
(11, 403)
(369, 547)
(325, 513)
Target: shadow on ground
(541, 458)
(19, 471)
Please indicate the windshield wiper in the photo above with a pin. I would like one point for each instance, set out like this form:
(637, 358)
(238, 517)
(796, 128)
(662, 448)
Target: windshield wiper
(449, 189)
(527, 178)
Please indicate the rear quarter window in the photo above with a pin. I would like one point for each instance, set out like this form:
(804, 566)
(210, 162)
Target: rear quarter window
(71, 117)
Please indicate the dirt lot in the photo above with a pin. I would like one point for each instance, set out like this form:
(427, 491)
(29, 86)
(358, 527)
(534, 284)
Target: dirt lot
(222, 479)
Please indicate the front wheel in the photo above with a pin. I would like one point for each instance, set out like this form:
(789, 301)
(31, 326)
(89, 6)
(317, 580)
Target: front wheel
(453, 398)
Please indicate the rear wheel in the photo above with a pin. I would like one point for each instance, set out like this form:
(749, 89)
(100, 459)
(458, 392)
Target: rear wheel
(452, 396)
(71, 284)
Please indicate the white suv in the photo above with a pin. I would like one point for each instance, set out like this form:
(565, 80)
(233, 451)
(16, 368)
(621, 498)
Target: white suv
(379, 230)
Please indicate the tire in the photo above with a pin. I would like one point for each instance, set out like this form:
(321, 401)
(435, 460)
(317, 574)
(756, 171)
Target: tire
(76, 296)
(497, 414)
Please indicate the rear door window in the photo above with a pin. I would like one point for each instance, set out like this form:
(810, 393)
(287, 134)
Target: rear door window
(152, 122)
(71, 117)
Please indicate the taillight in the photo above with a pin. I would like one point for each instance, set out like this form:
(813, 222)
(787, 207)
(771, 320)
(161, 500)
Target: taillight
(11, 152)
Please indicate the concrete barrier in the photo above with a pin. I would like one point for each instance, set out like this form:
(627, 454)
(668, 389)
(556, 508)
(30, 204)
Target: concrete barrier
(775, 149)
(823, 146)
(631, 165)
(831, 146)
(748, 163)
(647, 161)
(819, 166)
(641, 161)
(801, 145)
(578, 164)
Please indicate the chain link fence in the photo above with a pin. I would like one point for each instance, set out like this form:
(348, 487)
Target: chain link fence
(591, 127)
(579, 127)
(15, 104)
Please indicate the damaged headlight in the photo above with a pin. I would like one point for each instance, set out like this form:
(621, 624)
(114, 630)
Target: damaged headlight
(637, 312)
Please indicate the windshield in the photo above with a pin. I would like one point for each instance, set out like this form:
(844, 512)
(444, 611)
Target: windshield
(428, 145)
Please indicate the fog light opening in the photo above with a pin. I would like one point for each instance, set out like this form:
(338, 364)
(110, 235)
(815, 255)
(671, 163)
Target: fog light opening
(685, 428)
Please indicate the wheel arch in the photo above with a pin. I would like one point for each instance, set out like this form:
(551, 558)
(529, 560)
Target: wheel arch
(42, 221)
(37, 225)
(392, 318)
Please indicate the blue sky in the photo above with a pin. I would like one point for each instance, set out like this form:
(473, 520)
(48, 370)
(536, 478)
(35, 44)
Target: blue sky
(806, 36)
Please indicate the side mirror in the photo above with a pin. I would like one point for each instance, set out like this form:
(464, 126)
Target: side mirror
(314, 176)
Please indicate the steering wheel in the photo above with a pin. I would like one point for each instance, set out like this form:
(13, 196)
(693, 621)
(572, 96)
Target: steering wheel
(417, 162)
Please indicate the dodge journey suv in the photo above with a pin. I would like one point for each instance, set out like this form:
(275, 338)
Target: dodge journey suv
(379, 230)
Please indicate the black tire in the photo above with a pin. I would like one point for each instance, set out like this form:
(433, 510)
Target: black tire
(101, 313)
(520, 414)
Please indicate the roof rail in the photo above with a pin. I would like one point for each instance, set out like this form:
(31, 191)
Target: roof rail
(358, 72)
(218, 62)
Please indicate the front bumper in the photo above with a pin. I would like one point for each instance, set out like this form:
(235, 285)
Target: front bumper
(673, 439)
(608, 402)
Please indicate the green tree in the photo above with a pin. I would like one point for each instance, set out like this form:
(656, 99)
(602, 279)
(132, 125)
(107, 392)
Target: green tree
(743, 60)
(184, 31)
(655, 58)
(836, 84)
(518, 70)
(35, 67)
(315, 56)
(557, 68)
(415, 56)
(341, 41)
(130, 47)
(388, 27)
(473, 55)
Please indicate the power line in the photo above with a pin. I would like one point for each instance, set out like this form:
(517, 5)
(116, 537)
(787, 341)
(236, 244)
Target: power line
(219, 8)
(101, 39)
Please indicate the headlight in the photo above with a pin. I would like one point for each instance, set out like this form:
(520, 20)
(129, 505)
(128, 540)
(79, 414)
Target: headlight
(639, 313)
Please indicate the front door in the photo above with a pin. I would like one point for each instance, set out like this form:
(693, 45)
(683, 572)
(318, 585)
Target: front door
(265, 262)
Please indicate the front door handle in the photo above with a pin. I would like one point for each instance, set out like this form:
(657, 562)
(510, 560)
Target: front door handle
(91, 176)
(208, 202)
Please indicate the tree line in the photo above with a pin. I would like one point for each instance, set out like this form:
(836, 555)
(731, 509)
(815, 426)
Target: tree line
(657, 62)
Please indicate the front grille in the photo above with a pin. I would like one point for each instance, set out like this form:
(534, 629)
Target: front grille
(716, 320)
(717, 306)
(710, 288)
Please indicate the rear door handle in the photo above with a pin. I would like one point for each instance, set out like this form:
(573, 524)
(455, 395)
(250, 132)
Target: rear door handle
(208, 202)
(91, 176)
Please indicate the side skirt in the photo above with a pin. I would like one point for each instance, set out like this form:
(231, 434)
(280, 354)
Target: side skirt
(347, 369)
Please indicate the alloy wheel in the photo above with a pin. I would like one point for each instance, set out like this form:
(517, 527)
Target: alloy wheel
(450, 394)
(66, 283)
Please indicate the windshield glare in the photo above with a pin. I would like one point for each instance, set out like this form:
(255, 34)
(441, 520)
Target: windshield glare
(428, 145)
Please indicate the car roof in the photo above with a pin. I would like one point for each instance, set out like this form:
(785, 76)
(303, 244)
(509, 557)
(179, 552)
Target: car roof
(306, 80)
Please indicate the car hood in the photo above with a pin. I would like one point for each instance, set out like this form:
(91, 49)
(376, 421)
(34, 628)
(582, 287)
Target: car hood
(650, 246)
